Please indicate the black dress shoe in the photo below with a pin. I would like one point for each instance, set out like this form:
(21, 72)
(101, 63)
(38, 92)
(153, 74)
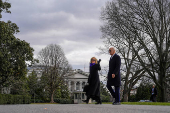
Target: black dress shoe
(113, 103)
(98, 103)
(86, 101)
(116, 103)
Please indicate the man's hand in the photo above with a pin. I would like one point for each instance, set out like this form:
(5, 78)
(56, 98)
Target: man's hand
(113, 75)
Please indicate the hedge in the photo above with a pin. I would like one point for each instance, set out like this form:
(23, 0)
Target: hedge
(14, 99)
(63, 101)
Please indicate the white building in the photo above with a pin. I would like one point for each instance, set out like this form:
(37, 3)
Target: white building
(75, 82)
(133, 91)
(38, 69)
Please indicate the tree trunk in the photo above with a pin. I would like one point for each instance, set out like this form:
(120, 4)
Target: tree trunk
(128, 94)
(162, 84)
(125, 92)
(163, 92)
(52, 99)
(163, 95)
(125, 97)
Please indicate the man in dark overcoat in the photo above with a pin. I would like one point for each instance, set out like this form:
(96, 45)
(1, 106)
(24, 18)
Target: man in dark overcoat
(153, 94)
(113, 77)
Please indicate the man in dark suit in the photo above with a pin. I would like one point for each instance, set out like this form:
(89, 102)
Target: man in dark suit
(154, 94)
(113, 77)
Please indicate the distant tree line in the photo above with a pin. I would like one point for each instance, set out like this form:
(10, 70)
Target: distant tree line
(15, 57)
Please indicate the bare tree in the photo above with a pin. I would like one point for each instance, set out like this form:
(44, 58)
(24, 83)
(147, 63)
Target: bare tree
(144, 24)
(56, 67)
(131, 69)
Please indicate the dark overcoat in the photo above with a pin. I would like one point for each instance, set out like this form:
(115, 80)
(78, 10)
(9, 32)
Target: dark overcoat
(94, 81)
(114, 68)
(155, 91)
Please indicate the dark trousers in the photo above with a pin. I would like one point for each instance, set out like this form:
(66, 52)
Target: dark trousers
(153, 98)
(115, 94)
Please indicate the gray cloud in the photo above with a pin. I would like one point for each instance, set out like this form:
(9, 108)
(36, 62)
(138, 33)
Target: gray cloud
(73, 24)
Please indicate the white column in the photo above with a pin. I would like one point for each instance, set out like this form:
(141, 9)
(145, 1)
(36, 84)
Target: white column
(80, 85)
(75, 85)
(69, 85)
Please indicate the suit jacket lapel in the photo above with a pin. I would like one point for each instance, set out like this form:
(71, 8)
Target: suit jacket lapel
(111, 60)
(113, 57)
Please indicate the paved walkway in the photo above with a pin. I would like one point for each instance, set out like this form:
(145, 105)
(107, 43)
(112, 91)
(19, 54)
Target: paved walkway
(82, 108)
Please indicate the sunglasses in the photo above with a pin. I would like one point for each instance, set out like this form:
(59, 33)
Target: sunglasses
(109, 50)
(93, 60)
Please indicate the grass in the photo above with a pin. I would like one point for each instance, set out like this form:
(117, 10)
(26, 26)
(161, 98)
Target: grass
(44, 103)
(127, 103)
(143, 103)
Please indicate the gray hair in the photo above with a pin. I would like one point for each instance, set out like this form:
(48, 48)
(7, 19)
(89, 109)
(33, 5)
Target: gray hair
(113, 48)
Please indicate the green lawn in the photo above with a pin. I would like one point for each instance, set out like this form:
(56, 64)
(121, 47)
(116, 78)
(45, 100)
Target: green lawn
(44, 103)
(127, 103)
(143, 103)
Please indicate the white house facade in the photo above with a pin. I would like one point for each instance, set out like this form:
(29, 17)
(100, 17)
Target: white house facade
(76, 83)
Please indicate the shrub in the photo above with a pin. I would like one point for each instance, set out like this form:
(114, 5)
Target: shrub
(18, 99)
(63, 101)
(14, 99)
(26, 99)
(1, 99)
(37, 101)
(57, 100)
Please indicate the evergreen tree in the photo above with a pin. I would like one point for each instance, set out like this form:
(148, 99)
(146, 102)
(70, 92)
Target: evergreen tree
(13, 52)
(33, 84)
(143, 92)
(19, 87)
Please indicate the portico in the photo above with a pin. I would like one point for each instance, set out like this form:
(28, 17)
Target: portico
(76, 83)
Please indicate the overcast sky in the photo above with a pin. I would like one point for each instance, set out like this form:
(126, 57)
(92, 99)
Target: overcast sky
(72, 24)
